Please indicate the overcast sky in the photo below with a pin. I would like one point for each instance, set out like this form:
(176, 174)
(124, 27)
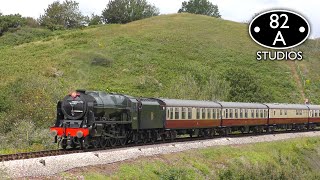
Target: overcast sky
(234, 10)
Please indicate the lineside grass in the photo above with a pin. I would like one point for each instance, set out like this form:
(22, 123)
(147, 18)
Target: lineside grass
(290, 159)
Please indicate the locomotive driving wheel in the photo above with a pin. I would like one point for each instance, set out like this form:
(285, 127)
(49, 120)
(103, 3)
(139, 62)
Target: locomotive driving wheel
(122, 141)
(103, 142)
(112, 142)
(95, 143)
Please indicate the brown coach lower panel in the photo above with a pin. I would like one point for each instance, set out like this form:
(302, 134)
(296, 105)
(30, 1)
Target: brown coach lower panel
(244, 122)
(314, 120)
(190, 124)
(288, 120)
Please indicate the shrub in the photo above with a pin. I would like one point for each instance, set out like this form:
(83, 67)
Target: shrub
(101, 61)
(24, 35)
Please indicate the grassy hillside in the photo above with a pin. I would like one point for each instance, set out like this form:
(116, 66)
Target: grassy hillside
(308, 70)
(175, 56)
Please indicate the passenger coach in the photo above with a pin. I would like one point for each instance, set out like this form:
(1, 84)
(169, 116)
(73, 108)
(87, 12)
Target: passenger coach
(191, 114)
(245, 117)
(288, 116)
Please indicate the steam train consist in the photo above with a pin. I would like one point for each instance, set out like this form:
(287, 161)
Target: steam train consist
(98, 119)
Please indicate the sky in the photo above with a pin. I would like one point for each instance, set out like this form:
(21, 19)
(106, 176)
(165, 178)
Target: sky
(234, 10)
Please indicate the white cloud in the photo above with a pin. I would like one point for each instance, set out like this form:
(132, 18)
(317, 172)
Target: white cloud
(234, 10)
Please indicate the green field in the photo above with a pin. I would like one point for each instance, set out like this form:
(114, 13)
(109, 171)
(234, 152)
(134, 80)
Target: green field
(289, 159)
(174, 56)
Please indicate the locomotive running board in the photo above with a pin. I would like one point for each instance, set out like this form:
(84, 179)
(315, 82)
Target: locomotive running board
(114, 122)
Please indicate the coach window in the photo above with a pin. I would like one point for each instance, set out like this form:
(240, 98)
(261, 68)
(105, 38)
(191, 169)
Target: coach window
(176, 113)
(183, 114)
(213, 113)
(189, 113)
(265, 113)
(231, 113)
(236, 113)
(168, 113)
(285, 112)
(171, 113)
(297, 112)
(226, 113)
(257, 113)
(209, 113)
(246, 113)
(280, 112)
(198, 113)
(219, 113)
(203, 113)
(261, 113)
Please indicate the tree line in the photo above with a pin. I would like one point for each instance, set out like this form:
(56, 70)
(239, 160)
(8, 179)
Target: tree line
(67, 15)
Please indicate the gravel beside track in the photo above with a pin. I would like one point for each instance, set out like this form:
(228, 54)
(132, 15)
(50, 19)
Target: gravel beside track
(50, 165)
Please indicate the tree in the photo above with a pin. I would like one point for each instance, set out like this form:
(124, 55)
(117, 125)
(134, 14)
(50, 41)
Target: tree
(95, 20)
(62, 16)
(31, 22)
(244, 87)
(203, 7)
(124, 11)
(11, 22)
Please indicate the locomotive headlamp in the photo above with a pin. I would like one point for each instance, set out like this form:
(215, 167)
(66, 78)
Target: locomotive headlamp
(74, 94)
(54, 133)
(79, 134)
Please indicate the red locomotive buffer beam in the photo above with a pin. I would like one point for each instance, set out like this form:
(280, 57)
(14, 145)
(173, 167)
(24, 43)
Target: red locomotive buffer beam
(73, 132)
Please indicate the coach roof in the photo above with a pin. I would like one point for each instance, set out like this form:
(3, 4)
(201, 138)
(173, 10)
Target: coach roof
(287, 106)
(243, 105)
(190, 103)
(314, 107)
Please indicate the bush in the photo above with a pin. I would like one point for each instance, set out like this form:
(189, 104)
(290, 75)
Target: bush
(5, 102)
(245, 87)
(190, 87)
(10, 22)
(24, 35)
(25, 135)
(100, 61)
(124, 11)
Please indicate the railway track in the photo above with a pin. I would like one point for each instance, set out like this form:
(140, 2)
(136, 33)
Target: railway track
(29, 155)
